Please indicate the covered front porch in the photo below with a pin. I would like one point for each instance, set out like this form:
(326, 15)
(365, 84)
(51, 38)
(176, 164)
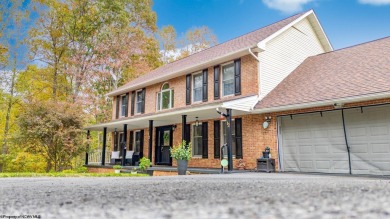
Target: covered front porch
(152, 135)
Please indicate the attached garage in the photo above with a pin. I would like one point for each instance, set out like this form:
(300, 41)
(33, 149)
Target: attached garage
(316, 142)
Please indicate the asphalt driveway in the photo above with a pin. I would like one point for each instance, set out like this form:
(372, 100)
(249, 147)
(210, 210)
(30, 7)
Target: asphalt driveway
(241, 195)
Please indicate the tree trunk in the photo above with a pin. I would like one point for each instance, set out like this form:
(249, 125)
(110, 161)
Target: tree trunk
(4, 148)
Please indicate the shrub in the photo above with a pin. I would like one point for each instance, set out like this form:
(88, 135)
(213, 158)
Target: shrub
(182, 151)
(82, 170)
(144, 164)
(117, 167)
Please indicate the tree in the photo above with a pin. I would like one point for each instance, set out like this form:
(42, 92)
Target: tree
(53, 129)
(195, 40)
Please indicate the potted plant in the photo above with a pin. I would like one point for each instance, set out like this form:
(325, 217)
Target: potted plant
(117, 168)
(144, 164)
(266, 152)
(182, 153)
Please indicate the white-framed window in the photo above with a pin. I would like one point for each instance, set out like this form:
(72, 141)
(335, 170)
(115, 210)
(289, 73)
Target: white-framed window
(228, 79)
(137, 141)
(124, 101)
(138, 101)
(197, 144)
(165, 97)
(197, 90)
(224, 137)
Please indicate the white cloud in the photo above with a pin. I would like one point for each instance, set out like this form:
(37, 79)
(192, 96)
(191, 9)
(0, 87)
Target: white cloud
(375, 2)
(289, 6)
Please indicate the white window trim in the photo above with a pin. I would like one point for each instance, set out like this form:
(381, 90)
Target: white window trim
(192, 140)
(193, 87)
(222, 137)
(221, 88)
(159, 102)
(135, 102)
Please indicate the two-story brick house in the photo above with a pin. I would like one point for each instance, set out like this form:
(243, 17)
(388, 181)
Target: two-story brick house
(258, 77)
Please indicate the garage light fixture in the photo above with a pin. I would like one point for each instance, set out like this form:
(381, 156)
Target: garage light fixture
(266, 122)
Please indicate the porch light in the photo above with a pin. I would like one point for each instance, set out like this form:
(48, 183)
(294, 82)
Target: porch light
(115, 132)
(266, 122)
(173, 127)
(196, 121)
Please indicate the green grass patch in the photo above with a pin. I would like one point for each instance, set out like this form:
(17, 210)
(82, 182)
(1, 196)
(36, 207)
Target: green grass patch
(62, 174)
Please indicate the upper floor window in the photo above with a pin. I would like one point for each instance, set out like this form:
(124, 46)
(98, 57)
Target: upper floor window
(124, 101)
(165, 97)
(138, 101)
(228, 79)
(197, 87)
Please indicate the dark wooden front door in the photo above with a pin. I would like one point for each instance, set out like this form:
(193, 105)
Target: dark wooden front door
(163, 144)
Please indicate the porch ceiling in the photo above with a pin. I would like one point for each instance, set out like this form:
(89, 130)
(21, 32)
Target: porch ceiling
(173, 117)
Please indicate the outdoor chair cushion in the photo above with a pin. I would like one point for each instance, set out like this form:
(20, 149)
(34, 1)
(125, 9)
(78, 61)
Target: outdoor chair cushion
(129, 154)
(115, 155)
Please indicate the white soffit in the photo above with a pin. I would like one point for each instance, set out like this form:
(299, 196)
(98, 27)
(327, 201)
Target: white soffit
(245, 104)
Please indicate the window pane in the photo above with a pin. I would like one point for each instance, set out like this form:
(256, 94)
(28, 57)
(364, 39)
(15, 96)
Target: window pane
(165, 86)
(138, 101)
(197, 88)
(123, 105)
(166, 97)
(197, 94)
(228, 79)
(197, 142)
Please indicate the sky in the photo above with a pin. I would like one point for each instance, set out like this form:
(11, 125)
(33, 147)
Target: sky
(346, 22)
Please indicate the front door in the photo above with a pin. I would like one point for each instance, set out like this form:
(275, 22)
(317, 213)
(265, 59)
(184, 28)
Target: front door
(163, 144)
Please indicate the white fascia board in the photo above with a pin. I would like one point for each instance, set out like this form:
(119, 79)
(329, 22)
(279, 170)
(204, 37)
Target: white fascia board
(353, 99)
(181, 72)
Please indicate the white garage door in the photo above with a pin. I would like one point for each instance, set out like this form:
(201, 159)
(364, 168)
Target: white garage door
(368, 134)
(313, 143)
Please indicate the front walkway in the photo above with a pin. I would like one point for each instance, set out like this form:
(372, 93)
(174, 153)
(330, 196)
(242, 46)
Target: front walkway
(246, 195)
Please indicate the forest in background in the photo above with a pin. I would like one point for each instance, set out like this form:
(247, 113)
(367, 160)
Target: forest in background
(58, 59)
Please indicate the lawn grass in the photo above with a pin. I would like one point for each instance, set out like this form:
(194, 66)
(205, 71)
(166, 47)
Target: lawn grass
(60, 174)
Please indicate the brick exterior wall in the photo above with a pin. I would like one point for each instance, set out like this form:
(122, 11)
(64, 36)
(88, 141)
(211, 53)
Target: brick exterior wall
(249, 86)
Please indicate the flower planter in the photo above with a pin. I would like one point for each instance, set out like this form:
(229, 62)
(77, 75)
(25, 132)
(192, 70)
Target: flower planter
(182, 167)
(117, 171)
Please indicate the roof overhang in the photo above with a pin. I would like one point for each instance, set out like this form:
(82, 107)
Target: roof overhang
(205, 112)
(330, 102)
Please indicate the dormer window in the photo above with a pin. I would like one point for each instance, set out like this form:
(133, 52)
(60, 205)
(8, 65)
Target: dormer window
(165, 97)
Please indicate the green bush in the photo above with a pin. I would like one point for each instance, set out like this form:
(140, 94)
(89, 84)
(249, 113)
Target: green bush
(117, 167)
(82, 170)
(144, 164)
(68, 171)
(181, 151)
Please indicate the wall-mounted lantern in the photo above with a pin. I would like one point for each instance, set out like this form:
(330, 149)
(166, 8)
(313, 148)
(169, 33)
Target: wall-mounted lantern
(266, 122)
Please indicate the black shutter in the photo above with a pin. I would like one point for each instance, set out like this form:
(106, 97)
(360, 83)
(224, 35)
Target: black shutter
(117, 106)
(188, 89)
(188, 133)
(205, 140)
(132, 102)
(131, 140)
(237, 77)
(141, 142)
(217, 139)
(217, 70)
(127, 105)
(143, 100)
(205, 85)
(238, 127)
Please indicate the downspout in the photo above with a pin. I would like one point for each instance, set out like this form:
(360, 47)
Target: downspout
(346, 142)
(254, 56)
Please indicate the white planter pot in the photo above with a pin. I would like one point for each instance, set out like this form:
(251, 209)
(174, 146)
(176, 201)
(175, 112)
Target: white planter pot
(117, 171)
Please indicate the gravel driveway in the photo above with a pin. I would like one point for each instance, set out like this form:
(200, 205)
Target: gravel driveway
(240, 195)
